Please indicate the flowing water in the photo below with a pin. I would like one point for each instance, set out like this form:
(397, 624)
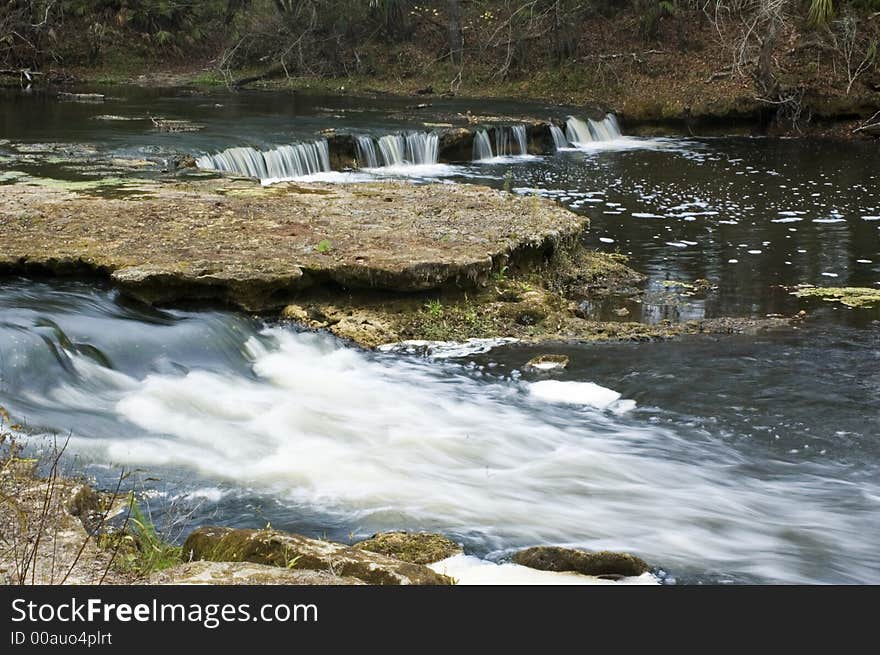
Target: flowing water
(732, 458)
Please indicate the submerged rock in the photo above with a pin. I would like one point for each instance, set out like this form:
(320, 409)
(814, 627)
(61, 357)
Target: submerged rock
(298, 552)
(81, 97)
(417, 548)
(855, 297)
(548, 362)
(603, 563)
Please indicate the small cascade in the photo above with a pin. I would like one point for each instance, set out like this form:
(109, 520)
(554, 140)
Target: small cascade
(282, 163)
(482, 146)
(366, 149)
(502, 142)
(559, 139)
(580, 132)
(607, 129)
(521, 139)
(509, 142)
(412, 149)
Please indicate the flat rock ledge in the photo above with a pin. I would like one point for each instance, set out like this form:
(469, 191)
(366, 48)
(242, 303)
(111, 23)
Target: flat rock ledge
(296, 552)
(256, 248)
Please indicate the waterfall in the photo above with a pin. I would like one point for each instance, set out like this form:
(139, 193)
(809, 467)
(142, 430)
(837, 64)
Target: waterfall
(282, 163)
(509, 141)
(367, 152)
(521, 138)
(607, 129)
(559, 139)
(482, 146)
(412, 149)
(579, 132)
(502, 142)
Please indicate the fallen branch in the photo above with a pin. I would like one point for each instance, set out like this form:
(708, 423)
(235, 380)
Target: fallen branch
(870, 124)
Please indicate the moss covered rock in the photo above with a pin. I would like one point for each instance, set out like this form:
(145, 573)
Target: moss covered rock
(294, 551)
(604, 563)
(417, 548)
(244, 573)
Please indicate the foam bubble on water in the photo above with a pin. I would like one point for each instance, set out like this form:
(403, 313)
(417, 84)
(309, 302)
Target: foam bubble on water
(733, 261)
(864, 261)
(208, 494)
(829, 274)
(754, 252)
(787, 219)
(606, 240)
(646, 215)
(469, 570)
(415, 170)
(446, 349)
(574, 393)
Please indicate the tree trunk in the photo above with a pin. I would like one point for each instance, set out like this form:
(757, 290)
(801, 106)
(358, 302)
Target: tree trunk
(766, 80)
(456, 40)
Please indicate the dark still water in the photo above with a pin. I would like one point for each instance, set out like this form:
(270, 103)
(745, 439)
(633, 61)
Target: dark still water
(734, 459)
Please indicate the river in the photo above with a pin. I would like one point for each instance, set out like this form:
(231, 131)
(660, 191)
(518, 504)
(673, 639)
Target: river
(736, 458)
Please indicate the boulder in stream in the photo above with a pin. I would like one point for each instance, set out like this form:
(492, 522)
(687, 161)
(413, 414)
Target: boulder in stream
(414, 547)
(294, 551)
(548, 362)
(603, 563)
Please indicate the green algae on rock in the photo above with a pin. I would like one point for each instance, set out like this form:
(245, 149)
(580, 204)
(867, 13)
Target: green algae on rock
(604, 563)
(288, 550)
(855, 297)
(414, 547)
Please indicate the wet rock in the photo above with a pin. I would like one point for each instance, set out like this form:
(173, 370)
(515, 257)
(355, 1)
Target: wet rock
(417, 548)
(540, 139)
(548, 362)
(365, 330)
(81, 97)
(176, 125)
(183, 161)
(343, 151)
(295, 551)
(603, 563)
(244, 573)
(295, 313)
(456, 144)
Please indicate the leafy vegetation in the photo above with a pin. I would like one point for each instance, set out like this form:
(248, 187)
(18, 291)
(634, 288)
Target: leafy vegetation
(138, 547)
